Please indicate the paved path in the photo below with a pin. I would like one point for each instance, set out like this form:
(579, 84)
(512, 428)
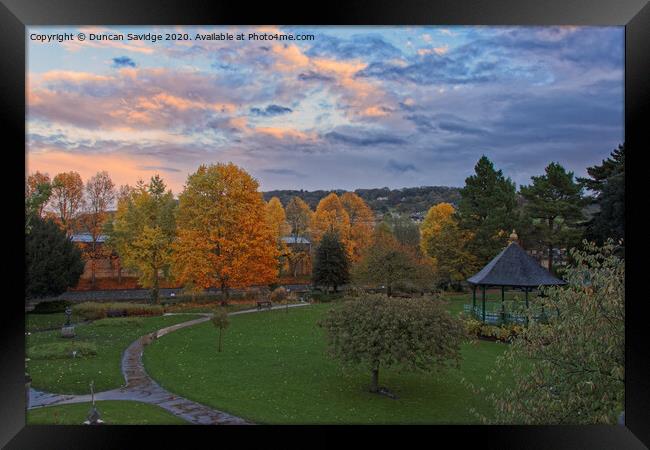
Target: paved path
(141, 387)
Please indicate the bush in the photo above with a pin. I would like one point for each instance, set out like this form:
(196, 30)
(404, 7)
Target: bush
(325, 297)
(279, 294)
(56, 306)
(62, 350)
(503, 333)
(94, 311)
(118, 322)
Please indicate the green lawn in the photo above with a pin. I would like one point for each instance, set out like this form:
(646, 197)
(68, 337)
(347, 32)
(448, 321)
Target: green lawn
(109, 337)
(274, 370)
(37, 322)
(112, 413)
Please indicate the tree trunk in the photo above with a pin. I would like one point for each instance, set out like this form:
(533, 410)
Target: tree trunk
(374, 386)
(389, 290)
(154, 290)
(93, 281)
(550, 258)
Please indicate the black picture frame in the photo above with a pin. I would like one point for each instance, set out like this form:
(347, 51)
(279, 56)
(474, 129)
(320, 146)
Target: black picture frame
(16, 14)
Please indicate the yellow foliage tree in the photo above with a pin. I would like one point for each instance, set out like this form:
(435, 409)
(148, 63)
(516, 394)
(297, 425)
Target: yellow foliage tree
(330, 215)
(278, 221)
(223, 236)
(446, 244)
(361, 224)
(299, 217)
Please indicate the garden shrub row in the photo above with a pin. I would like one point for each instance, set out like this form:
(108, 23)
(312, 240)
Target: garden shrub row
(503, 333)
(62, 350)
(94, 311)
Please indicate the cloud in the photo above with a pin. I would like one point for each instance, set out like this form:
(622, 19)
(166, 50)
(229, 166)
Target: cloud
(314, 76)
(271, 110)
(397, 167)
(363, 140)
(287, 172)
(123, 61)
(160, 168)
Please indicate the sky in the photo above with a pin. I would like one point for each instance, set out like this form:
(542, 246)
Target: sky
(356, 107)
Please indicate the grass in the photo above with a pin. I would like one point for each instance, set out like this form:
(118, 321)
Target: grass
(112, 413)
(109, 339)
(62, 350)
(40, 322)
(274, 370)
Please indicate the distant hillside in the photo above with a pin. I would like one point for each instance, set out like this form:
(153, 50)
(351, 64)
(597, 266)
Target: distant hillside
(410, 201)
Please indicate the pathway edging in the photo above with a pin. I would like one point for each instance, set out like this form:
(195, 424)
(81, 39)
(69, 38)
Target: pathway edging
(141, 387)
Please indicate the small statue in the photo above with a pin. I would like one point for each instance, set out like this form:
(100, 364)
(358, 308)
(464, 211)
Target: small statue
(94, 418)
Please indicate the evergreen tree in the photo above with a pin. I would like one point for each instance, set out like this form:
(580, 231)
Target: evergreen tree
(52, 262)
(331, 264)
(554, 203)
(607, 181)
(487, 209)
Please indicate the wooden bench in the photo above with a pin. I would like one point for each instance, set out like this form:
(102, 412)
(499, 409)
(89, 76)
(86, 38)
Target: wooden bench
(262, 303)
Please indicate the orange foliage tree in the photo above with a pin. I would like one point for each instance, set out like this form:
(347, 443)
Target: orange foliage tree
(223, 236)
(34, 182)
(361, 224)
(299, 217)
(67, 199)
(330, 215)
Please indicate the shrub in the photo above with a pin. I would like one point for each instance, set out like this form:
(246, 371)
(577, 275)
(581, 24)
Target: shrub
(55, 306)
(279, 294)
(94, 311)
(62, 350)
(118, 322)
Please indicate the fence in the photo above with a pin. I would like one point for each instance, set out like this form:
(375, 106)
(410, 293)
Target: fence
(500, 317)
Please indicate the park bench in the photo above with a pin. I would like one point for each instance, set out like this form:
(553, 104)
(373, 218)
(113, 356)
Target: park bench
(263, 303)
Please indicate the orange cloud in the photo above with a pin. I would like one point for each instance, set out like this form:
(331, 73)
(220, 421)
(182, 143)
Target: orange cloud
(281, 133)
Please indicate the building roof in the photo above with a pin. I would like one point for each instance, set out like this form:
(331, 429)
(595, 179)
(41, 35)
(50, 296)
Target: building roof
(294, 240)
(87, 238)
(514, 267)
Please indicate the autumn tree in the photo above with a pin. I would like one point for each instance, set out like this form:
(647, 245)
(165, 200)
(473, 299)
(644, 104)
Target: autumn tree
(67, 199)
(277, 218)
(99, 197)
(38, 188)
(569, 369)
(361, 224)
(388, 262)
(446, 244)
(554, 202)
(298, 217)
(405, 230)
(607, 182)
(487, 209)
(223, 237)
(331, 216)
(377, 332)
(331, 262)
(143, 230)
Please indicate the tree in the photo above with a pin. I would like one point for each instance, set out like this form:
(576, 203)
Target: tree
(278, 222)
(361, 223)
(331, 216)
(100, 194)
(405, 230)
(143, 230)
(374, 331)
(571, 369)
(298, 217)
(38, 190)
(390, 263)
(67, 199)
(607, 181)
(556, 202)
(487, 210)
(446, 244)
(331, 263)
(52, 262)
(223, 237)
(220, 321)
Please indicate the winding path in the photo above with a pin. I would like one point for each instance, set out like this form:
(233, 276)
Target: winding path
(141, 387)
